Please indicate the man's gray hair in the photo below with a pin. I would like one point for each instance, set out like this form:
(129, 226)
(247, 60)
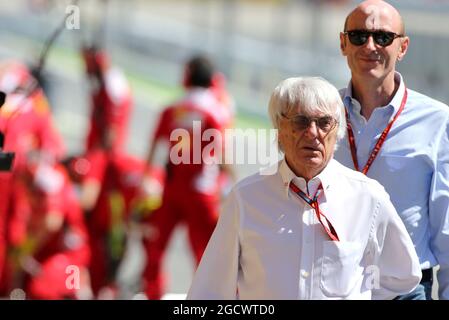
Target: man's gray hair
(309, 94)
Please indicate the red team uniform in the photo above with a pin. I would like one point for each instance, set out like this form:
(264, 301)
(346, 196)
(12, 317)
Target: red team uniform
(27, 125)
(120, 178)
(49, 229)
(111, 102)
(191, 190)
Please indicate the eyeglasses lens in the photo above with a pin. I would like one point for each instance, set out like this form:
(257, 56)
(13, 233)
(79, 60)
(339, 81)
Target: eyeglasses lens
(325, 124)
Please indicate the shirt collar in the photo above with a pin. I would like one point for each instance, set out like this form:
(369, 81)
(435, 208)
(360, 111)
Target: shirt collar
(397, 99)
(347, 93)
(324, 178)
(348, 100)
(395, 102)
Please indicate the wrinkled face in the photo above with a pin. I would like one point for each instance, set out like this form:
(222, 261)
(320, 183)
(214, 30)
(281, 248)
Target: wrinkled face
(371, 60)
(307, 149)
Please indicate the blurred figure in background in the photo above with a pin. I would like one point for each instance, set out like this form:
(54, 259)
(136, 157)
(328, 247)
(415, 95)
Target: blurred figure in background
(411, 160)
(111, 102)
(26, 119)
(48, 236)
(192, 185)
(26, 122)
(111, 106)
(109, 220)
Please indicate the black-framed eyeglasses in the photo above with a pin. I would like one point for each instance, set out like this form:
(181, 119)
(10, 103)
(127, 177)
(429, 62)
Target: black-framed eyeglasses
(325, 124)
(380, 37)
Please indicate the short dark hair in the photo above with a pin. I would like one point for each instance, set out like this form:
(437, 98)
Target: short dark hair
(200, 71)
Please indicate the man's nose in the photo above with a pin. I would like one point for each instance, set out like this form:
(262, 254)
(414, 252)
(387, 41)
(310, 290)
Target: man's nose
(312, 130)
(370, 44)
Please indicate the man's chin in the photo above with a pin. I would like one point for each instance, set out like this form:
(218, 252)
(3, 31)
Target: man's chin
(372, 72)
(313, 161)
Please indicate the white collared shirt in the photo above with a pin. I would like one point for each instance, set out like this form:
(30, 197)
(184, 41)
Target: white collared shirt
(268, 244)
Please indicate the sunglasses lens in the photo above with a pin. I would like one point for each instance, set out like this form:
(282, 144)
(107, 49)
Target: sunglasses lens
(383, 38)
(358, 38)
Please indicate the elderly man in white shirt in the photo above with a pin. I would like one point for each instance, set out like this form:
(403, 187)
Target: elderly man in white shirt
(314, 229)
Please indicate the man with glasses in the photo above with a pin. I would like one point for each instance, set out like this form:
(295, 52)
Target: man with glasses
(313, 229)
(397, 136)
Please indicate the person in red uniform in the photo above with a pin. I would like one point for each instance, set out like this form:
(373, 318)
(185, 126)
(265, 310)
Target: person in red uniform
(109, 221)
(119, 200)
(26, 123)
(50, 237)
(111, 102)
(111, 105)
(191, 188)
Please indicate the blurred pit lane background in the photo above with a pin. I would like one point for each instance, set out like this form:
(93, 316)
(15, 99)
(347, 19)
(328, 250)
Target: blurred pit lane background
(255, 43)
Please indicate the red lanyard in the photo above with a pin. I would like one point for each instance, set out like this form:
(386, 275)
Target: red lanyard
(379, 143)
(314, 204)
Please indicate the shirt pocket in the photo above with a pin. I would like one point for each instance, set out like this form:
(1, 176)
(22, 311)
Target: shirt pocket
(340, 270)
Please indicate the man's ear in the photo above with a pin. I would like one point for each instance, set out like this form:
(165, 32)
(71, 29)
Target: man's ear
(403, 48)
(342, 43)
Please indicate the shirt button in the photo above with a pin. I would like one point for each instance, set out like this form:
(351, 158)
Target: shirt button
(304, 274)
